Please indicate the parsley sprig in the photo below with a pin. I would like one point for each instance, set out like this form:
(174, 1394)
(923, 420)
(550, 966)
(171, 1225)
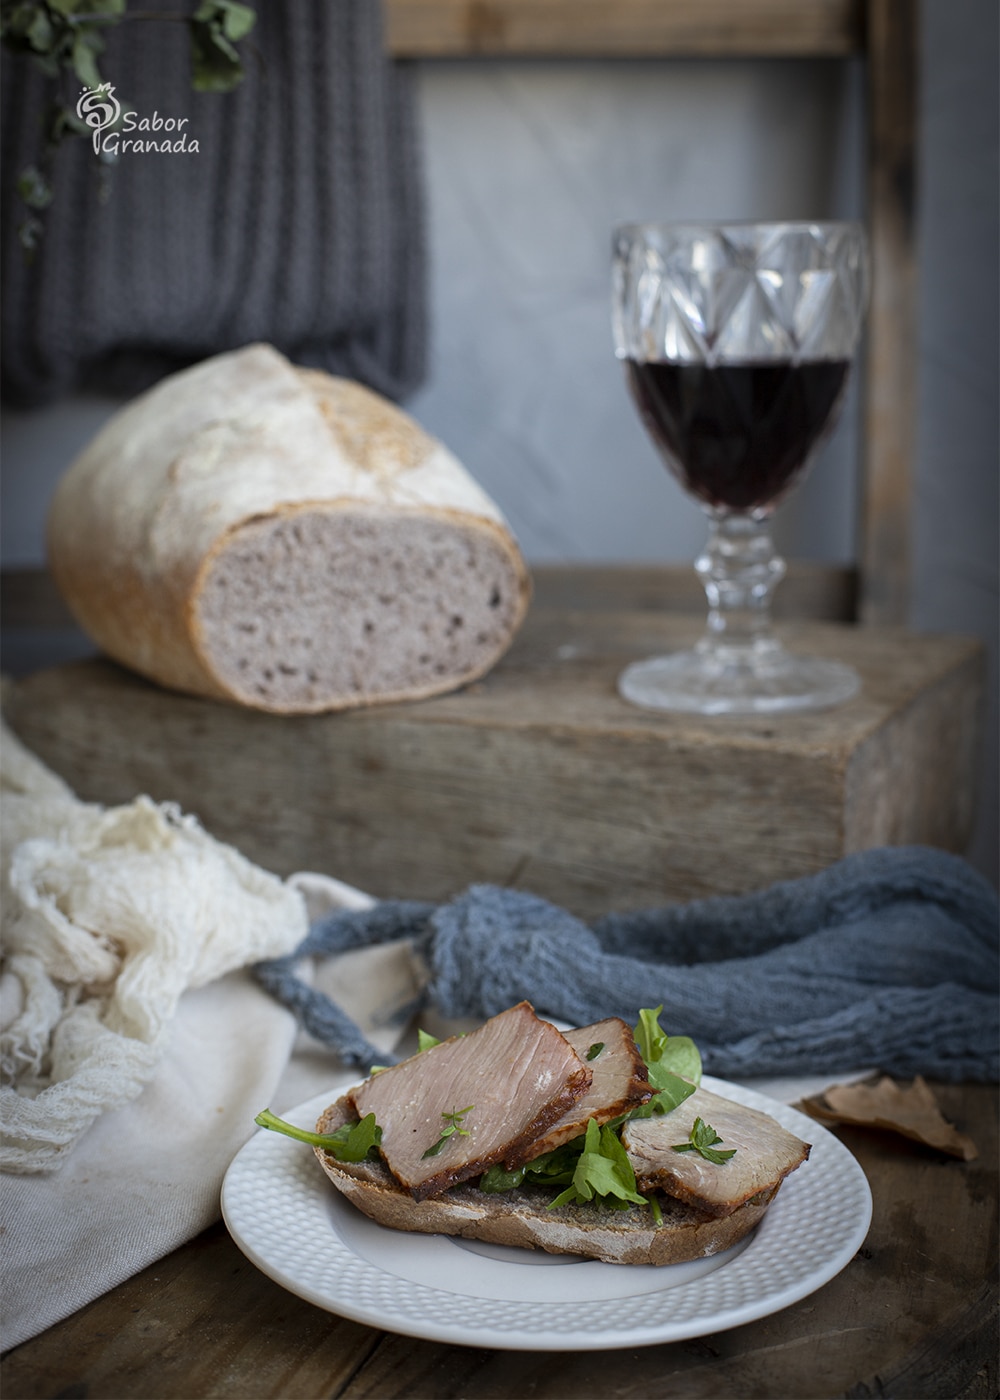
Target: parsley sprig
(702, 1139)
(452, 1124)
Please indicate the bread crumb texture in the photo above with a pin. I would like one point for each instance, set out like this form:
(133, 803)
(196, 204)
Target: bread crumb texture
(324, 607)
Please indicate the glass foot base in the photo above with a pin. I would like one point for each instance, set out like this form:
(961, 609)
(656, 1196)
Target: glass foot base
(700, 682)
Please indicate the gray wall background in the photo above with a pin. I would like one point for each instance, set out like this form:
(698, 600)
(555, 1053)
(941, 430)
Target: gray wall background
(528, 166)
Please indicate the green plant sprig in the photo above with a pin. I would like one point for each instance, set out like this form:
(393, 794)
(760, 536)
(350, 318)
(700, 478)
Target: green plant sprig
(452, 1124)
(65, 40)
(702, 1139)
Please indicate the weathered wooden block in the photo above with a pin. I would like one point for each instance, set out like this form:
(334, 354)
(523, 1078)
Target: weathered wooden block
(539, 776)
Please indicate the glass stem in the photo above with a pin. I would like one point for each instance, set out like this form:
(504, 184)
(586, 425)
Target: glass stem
(739, 570)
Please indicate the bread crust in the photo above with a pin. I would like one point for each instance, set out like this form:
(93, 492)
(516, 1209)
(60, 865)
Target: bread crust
(522, 1218)
(140, 518)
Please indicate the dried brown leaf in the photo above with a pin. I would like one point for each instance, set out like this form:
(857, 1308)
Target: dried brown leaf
(911, 1111)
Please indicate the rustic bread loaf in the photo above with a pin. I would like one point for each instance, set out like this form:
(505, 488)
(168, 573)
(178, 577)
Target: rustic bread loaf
(523, 1217)
(258, 533)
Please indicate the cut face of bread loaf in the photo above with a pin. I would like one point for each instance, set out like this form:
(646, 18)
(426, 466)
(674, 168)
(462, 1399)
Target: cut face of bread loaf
(280, 538)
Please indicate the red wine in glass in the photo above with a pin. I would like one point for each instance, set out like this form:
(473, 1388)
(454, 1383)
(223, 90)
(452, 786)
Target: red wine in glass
(736, 340)
(737, 435)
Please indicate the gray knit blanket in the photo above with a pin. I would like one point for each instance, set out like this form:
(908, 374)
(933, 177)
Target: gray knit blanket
(886, 959)
(299, 221)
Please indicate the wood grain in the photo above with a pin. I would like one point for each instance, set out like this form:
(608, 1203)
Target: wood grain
(912, 1314)
(540, 777)
(623, 28)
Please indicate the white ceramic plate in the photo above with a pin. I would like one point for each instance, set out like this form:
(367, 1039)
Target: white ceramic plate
(293, 1224)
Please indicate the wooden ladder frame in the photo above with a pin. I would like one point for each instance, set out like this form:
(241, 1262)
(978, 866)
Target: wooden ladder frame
(885, 33)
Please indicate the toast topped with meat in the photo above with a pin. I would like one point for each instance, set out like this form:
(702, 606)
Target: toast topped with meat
(587, 1142)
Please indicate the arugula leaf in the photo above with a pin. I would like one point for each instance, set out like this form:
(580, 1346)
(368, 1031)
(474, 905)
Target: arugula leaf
(426, 1041)
(702, 1139)
(595, 1049)
(352, 1142)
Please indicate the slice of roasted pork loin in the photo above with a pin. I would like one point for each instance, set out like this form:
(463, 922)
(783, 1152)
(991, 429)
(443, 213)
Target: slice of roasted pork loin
(765, 1153)
(493, 1092)
(620, 1082)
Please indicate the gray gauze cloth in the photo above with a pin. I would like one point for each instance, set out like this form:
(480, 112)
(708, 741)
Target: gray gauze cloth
(299, 221)
(886, 959)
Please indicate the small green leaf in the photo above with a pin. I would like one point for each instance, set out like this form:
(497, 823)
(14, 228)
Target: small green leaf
(595, 1049)
(86, 47)
(216, 26)
(237, 21)
(702, 1139)
(40, 33)
(426, 1041)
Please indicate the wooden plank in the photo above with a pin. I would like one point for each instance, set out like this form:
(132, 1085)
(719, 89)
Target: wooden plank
(624, 28)
(205, 1322)
(891, 390)
(540, 776)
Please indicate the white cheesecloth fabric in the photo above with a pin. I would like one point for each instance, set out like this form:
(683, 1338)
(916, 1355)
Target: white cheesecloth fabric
(108, 917)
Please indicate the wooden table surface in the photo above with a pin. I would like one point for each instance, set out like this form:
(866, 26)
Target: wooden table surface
(913, 1314)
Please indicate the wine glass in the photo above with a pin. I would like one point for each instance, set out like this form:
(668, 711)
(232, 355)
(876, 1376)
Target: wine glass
(737, 340)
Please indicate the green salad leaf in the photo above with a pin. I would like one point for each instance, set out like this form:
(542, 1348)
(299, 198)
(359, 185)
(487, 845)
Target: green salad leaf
(673, 1063)
(602, 1169)
(553, 1168)
(352, 1142)
(666, 1055)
